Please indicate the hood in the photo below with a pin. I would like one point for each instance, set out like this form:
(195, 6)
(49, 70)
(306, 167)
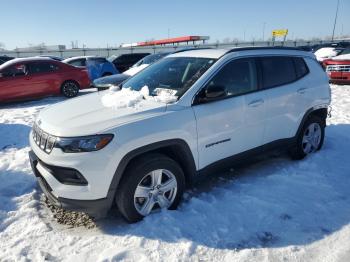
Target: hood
(93, 113)
(111, 80)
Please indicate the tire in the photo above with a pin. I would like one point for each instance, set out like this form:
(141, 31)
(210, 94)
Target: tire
(306, 142)
(70, 89)
(136, 192)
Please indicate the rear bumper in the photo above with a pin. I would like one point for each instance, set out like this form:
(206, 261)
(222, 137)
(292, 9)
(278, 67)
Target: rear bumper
(96, 208)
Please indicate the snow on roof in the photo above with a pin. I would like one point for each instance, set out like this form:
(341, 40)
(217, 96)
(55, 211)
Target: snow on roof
(326, 52)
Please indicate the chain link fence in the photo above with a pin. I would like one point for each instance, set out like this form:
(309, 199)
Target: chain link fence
(106, 52)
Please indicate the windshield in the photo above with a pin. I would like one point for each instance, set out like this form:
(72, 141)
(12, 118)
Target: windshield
(173, 74)
(150, 59)
(111, 58)
(345, 51)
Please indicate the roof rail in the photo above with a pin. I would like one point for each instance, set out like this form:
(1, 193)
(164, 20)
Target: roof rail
(237, 49)
(190, 49)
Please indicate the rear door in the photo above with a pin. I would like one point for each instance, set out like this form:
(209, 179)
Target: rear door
(43, 78)
(284, 97)
(235, 122)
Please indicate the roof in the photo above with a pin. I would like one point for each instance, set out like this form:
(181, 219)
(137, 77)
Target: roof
(26, 59)
(207, 53)
(81, 57)
(217, 53)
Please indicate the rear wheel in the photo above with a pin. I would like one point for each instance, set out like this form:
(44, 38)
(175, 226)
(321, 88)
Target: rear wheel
(150, 183)
(70, 89)
(310, 138)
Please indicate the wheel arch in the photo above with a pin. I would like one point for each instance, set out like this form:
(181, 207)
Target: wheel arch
(176, 149)
(319, 112)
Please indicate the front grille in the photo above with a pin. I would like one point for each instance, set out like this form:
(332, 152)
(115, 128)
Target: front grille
(45, 141)
(338, 68)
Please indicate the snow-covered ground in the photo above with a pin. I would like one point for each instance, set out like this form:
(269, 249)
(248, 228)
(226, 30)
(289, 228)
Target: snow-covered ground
(273, 210)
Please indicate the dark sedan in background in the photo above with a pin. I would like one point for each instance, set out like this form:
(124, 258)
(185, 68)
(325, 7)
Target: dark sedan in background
(5, 58)
(125, 61)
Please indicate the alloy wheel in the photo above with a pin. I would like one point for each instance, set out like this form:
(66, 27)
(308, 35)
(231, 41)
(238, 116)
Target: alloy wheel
(157, 189)
(311, 138)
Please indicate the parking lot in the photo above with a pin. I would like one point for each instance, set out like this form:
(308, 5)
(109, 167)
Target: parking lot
(274, 210)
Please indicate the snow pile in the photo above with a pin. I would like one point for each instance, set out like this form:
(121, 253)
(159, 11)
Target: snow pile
(325, 52)
(273, 210)
(124, 98)
(165, 95)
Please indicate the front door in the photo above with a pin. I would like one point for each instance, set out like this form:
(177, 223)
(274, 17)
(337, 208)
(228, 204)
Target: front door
(234, 122)
(14, 82)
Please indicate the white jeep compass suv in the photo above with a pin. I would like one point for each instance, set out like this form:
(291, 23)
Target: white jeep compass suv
(194, 111)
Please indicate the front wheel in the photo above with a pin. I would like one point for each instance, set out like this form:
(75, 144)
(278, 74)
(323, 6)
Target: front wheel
(310, 139)
(150, 183)
(70, 89)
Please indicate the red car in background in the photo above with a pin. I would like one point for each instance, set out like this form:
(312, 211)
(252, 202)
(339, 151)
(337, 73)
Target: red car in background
(27, 78)
(338, 68)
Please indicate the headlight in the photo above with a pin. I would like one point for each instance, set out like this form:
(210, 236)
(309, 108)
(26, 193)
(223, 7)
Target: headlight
(84, 143)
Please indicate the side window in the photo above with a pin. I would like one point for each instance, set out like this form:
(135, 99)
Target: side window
(277, 70)
(36, 68)
(15, 70)
(121, 59)
(301, 68)
(98, 60)
(78, 62)
(237, 77)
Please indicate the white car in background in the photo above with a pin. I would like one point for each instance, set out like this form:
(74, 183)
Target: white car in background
(186, 115)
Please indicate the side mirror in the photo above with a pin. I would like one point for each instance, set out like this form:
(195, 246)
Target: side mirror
(211, 93)
(214, 91)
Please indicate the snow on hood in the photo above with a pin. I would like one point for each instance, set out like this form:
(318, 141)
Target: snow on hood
(124, 98)
(99, 111)
(127, 97)
(342, 57)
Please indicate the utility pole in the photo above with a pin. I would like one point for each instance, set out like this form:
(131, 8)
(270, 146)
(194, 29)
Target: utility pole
(263, 35)
(335, 19)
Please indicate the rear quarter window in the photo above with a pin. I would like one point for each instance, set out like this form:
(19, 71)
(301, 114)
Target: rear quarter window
(277, 71)
(301, 68)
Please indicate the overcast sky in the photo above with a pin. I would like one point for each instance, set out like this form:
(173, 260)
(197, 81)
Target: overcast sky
(98, 23)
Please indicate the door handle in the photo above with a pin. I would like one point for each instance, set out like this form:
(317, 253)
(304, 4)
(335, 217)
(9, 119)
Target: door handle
(302, 90)
(256, 103)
